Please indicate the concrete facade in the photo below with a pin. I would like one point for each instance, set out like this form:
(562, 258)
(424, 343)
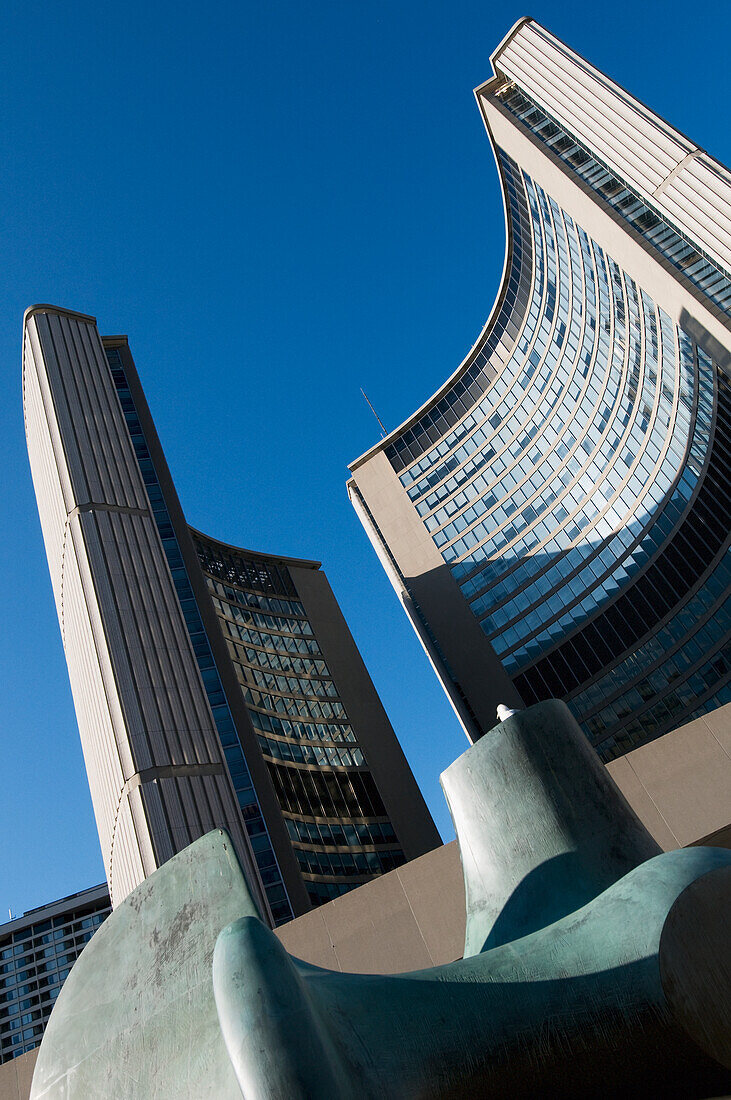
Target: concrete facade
(16, 1076)
(154, 762)
(214, 686)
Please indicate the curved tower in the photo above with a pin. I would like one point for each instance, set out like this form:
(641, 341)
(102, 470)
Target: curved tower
(556, 518)
(214, 687)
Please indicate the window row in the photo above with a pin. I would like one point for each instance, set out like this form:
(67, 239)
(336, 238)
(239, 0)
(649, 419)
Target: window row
(294, 707)
(281, 643)
(255, 599)
(320, 893)
(302, 731)
(287, 685)
(325, 793)
(335, 864)
(250, 617)
(279, 662)
(345, 835)
(333, 756)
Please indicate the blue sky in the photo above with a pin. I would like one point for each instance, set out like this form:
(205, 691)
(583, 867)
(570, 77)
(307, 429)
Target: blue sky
(279, 203)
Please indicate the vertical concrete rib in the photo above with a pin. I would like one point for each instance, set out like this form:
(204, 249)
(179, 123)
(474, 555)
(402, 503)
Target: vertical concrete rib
(155, 764)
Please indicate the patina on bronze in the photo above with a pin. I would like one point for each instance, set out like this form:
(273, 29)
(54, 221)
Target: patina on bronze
(594, 964)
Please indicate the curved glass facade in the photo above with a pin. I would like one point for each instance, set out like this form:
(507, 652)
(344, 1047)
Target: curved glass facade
(578, 489)
(337, 823)
(576, 484)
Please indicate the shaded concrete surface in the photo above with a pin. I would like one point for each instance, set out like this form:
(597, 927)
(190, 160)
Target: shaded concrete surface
(16, 1076)
(409, 919)
(682, 781)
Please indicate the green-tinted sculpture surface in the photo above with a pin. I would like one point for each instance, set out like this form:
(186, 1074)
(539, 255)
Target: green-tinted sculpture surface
(594, 965)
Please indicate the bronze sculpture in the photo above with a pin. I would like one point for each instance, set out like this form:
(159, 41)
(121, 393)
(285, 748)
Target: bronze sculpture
(594, 965)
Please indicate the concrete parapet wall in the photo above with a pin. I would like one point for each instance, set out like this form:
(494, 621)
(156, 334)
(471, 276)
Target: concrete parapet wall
(16, 1076)
(411, 918)
(680, 785)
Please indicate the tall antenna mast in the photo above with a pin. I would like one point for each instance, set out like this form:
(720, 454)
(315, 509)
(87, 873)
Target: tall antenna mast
(381, 425)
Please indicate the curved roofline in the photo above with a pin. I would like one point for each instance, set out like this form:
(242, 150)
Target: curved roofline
(502, 289)
(43, 307)
(651, 113)
(486, 89)
(302, 563)
(500, 47)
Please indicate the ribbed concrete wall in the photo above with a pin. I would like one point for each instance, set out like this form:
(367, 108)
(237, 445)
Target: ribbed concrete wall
(152, 754)
(676, 177)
